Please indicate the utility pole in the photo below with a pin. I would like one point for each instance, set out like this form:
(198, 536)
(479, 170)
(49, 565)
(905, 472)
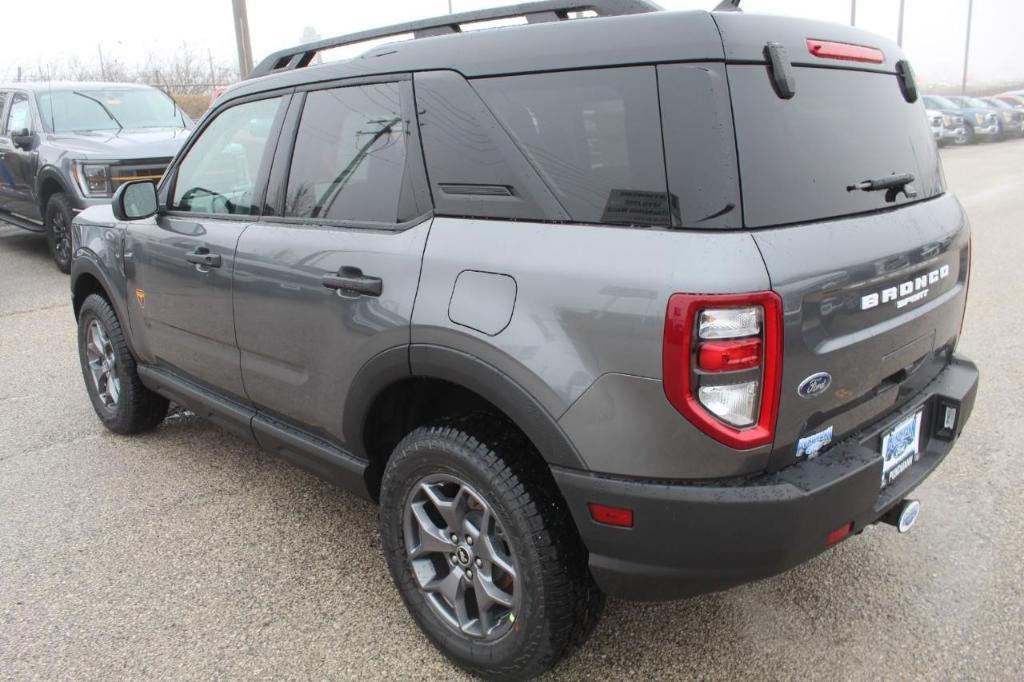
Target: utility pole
(449, 6)
(103, 68)
(967, 46)
(899, 28)
(853, 12)
(242, 38)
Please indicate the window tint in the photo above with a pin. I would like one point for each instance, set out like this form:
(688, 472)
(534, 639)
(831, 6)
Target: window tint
(801, 159)
(349, 158)
(594, 135)
(20, 115)
(219, 172)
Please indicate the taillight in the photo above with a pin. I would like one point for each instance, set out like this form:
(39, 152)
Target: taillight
(827, 49)
(722, 362)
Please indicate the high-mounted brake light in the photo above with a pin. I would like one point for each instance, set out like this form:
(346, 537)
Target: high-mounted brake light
(722, 364)
(846, 51)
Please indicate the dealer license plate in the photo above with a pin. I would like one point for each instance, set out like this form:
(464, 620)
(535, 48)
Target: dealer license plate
(901, 447)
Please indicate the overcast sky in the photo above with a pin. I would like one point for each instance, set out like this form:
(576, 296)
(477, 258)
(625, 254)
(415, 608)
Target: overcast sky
(130, 31)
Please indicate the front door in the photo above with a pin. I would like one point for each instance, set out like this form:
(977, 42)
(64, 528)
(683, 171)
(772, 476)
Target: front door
(180, 263)
(331, 282)
(18, 165)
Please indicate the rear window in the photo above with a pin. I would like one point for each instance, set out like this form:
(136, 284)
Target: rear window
(798, 157)
(594, 136)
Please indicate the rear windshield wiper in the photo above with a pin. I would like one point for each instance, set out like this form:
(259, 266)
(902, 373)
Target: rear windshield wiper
(894, 185)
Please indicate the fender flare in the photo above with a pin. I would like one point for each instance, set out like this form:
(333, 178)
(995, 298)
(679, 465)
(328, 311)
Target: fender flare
(84, 263)
(51, 173)
(469, 372)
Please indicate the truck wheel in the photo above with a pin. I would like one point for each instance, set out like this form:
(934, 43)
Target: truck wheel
(483, 550)
(121, 402)
(57, 221)
(968, 136)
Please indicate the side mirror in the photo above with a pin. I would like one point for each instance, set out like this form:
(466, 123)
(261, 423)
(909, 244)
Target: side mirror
(23, 139)
(134, 201)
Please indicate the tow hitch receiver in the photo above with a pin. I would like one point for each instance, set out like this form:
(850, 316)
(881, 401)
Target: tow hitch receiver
(903, 516)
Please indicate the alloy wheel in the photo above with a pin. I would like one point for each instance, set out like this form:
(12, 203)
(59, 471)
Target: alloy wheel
(102, 361)
(461, 559)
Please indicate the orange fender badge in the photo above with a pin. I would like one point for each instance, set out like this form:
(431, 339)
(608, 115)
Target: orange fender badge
(140, 296)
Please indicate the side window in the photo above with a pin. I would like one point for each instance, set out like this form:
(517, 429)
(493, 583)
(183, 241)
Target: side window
(20, 115)
(219, 172)
(595, 136)
(349, 157)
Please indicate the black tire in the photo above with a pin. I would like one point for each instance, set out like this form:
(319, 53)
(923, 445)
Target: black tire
(135, 408)
(558, 603)
(57, 221)
(968, 137)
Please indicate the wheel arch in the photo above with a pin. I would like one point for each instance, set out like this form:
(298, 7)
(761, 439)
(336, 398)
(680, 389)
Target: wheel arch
(88, 278)
(406, 387)
(49, 182)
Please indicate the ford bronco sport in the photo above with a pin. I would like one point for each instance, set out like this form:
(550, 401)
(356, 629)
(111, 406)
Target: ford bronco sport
(645, 304)
(67, 146)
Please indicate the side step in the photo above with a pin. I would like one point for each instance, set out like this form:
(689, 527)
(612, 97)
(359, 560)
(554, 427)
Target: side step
(23, 223)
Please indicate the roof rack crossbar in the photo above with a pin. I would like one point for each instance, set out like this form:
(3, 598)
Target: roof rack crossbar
(534, 12)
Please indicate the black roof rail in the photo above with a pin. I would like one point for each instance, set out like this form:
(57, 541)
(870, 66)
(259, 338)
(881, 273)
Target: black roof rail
(534, 12)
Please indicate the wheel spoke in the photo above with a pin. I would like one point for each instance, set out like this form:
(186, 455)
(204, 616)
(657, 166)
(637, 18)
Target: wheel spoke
(113, 387)
(450, 509)
(431, 538)
(488, 594)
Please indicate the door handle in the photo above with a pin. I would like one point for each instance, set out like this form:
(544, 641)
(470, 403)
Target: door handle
(202, 256)
(352, 281)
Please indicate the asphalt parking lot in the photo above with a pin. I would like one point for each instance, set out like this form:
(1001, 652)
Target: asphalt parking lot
(187, 553)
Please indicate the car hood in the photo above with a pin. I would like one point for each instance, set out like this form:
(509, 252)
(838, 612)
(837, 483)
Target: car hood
(150, 143)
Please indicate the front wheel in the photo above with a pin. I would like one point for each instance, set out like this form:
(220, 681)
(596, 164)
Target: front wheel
(120, 400)
(483, 551)
(57, 221)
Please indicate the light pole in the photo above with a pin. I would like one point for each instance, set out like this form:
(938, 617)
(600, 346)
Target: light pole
(853, 12)
(242, 38)
(899, 28)
(967, 46)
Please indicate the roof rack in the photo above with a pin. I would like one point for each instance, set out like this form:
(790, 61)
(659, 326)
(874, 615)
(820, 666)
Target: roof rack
(534, 13)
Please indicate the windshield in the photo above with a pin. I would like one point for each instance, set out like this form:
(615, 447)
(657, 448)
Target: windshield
(998, 104)
(937, 102)
(108, 109)
(977, 103)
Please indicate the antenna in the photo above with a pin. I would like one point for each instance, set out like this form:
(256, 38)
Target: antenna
(728, 6)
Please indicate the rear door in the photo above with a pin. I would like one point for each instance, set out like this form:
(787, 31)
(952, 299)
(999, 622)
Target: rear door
(329, 280)
(179, 264)
(873, 282)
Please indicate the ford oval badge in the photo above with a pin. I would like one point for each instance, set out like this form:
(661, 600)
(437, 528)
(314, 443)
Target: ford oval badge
(814, 385)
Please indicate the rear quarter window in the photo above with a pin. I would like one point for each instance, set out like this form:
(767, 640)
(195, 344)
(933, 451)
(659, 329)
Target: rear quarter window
(594, 136)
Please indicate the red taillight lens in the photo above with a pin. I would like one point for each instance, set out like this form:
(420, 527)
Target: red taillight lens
(845, 51)
(611, 516)
(714, 381)
(728, 356)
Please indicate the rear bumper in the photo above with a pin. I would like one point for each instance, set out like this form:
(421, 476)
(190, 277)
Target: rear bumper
(690, 539)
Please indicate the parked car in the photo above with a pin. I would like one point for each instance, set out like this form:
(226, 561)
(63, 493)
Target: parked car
(988, 122)
(67, 146)
(1015, 101)
(946, 127)
(1013, 117)
(978, 124)
(583, 321)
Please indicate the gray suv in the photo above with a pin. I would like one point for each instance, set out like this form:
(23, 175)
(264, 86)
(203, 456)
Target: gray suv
(646, 304)
(67, 146)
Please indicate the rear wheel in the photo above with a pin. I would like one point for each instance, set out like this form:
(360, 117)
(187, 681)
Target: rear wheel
(120, 400)
(57, 221)
(483, 551)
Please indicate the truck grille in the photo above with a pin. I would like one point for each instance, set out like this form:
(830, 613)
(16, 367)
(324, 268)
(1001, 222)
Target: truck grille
(149, 169)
